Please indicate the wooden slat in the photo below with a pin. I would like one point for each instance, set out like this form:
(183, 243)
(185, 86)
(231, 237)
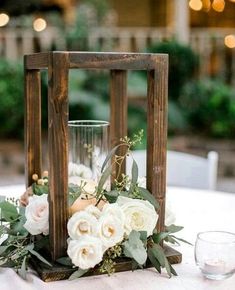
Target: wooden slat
(58, 152)
(33, 153)
(157, 134)
(118, 113)
(112, 61)
(37, 60)
(100, 60)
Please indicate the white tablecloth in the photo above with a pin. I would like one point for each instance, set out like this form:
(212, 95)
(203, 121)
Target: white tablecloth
(196, 210)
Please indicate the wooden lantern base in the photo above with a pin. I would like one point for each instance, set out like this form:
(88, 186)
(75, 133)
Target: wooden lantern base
(59, 272)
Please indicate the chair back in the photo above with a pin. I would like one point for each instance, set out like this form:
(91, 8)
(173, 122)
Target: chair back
(183, 169)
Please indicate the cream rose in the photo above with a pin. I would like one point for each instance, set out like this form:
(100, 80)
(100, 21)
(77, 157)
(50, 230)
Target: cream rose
(93, 210)
(79, 170)
(37, 215)
(114, 210)
(140, 215)
(86, 252)
(110, 230)
(80, 224)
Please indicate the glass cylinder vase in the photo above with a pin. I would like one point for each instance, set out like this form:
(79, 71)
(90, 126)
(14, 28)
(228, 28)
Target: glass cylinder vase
(88, 148)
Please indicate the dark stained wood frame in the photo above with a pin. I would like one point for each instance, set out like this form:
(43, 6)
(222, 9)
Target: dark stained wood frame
(58, 65)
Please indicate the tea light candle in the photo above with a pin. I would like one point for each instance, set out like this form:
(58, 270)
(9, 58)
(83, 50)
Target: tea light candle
(215, 266)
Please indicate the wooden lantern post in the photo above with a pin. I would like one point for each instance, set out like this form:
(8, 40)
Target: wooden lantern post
(58, 65)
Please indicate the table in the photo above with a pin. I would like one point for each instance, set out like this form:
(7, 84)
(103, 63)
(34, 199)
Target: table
(196, 210)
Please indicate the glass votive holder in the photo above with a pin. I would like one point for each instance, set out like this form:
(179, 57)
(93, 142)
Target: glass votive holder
(215, 254)
(88, 148)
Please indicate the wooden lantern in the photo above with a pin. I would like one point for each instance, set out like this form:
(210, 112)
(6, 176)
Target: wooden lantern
(58, 65)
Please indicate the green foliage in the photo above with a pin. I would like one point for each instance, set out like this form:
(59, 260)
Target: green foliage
(209, 106)
(134, 248)
(18, 247)
(11, 99)
(182, 64)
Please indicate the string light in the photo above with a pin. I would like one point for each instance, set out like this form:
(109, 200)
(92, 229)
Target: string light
(195, 4)
(229, 41)
(39, 24)
(4, 19)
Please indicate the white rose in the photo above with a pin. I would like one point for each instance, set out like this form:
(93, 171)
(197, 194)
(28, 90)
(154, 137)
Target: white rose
(169, 214)
(114, 210)
(79, 170)
(80, 224)
(37, 215)
(140, 215)
(93, 210)
(89, 188)
(110, 230)
(86, 252)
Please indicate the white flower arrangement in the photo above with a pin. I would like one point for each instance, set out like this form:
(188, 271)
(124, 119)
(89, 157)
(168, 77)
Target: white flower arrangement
(104, 225)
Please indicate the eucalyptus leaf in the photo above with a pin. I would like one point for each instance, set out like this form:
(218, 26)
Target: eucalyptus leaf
(18, 227)
(124, 193)
(106, 174)
(154, 261)
(159, 254)
(168, 268)
(8, 211)
(41, 258)
(148, 196)
(134, 172)
(134, 248)
(109, 156)
(3, 250)
(22, 271)
(3, 262)
(74, 193)
(134, 265)
(173, 228)
(29, 247)
(42, 242)
(181, 240)
(112, 196)
(66, 261)
(173, 270)
(74, 188)
(22, 210)
(143, 236)
(158, 237)
(77, 274)
(171, 240)
(40, 189)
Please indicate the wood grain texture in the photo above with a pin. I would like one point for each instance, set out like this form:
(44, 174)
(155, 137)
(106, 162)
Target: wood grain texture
(33, 150)
(37, 60)
(97, 60)
(112, 61)
(58, 152)
(59, 272)
(157, 134)
(118, 115)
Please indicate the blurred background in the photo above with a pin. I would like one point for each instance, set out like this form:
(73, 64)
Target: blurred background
(198, 35)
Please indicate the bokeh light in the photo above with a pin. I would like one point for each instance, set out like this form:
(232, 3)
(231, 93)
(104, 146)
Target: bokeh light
(218, 5)
(195, 4)
(4, 19)
(229, 41)
(39, 24)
